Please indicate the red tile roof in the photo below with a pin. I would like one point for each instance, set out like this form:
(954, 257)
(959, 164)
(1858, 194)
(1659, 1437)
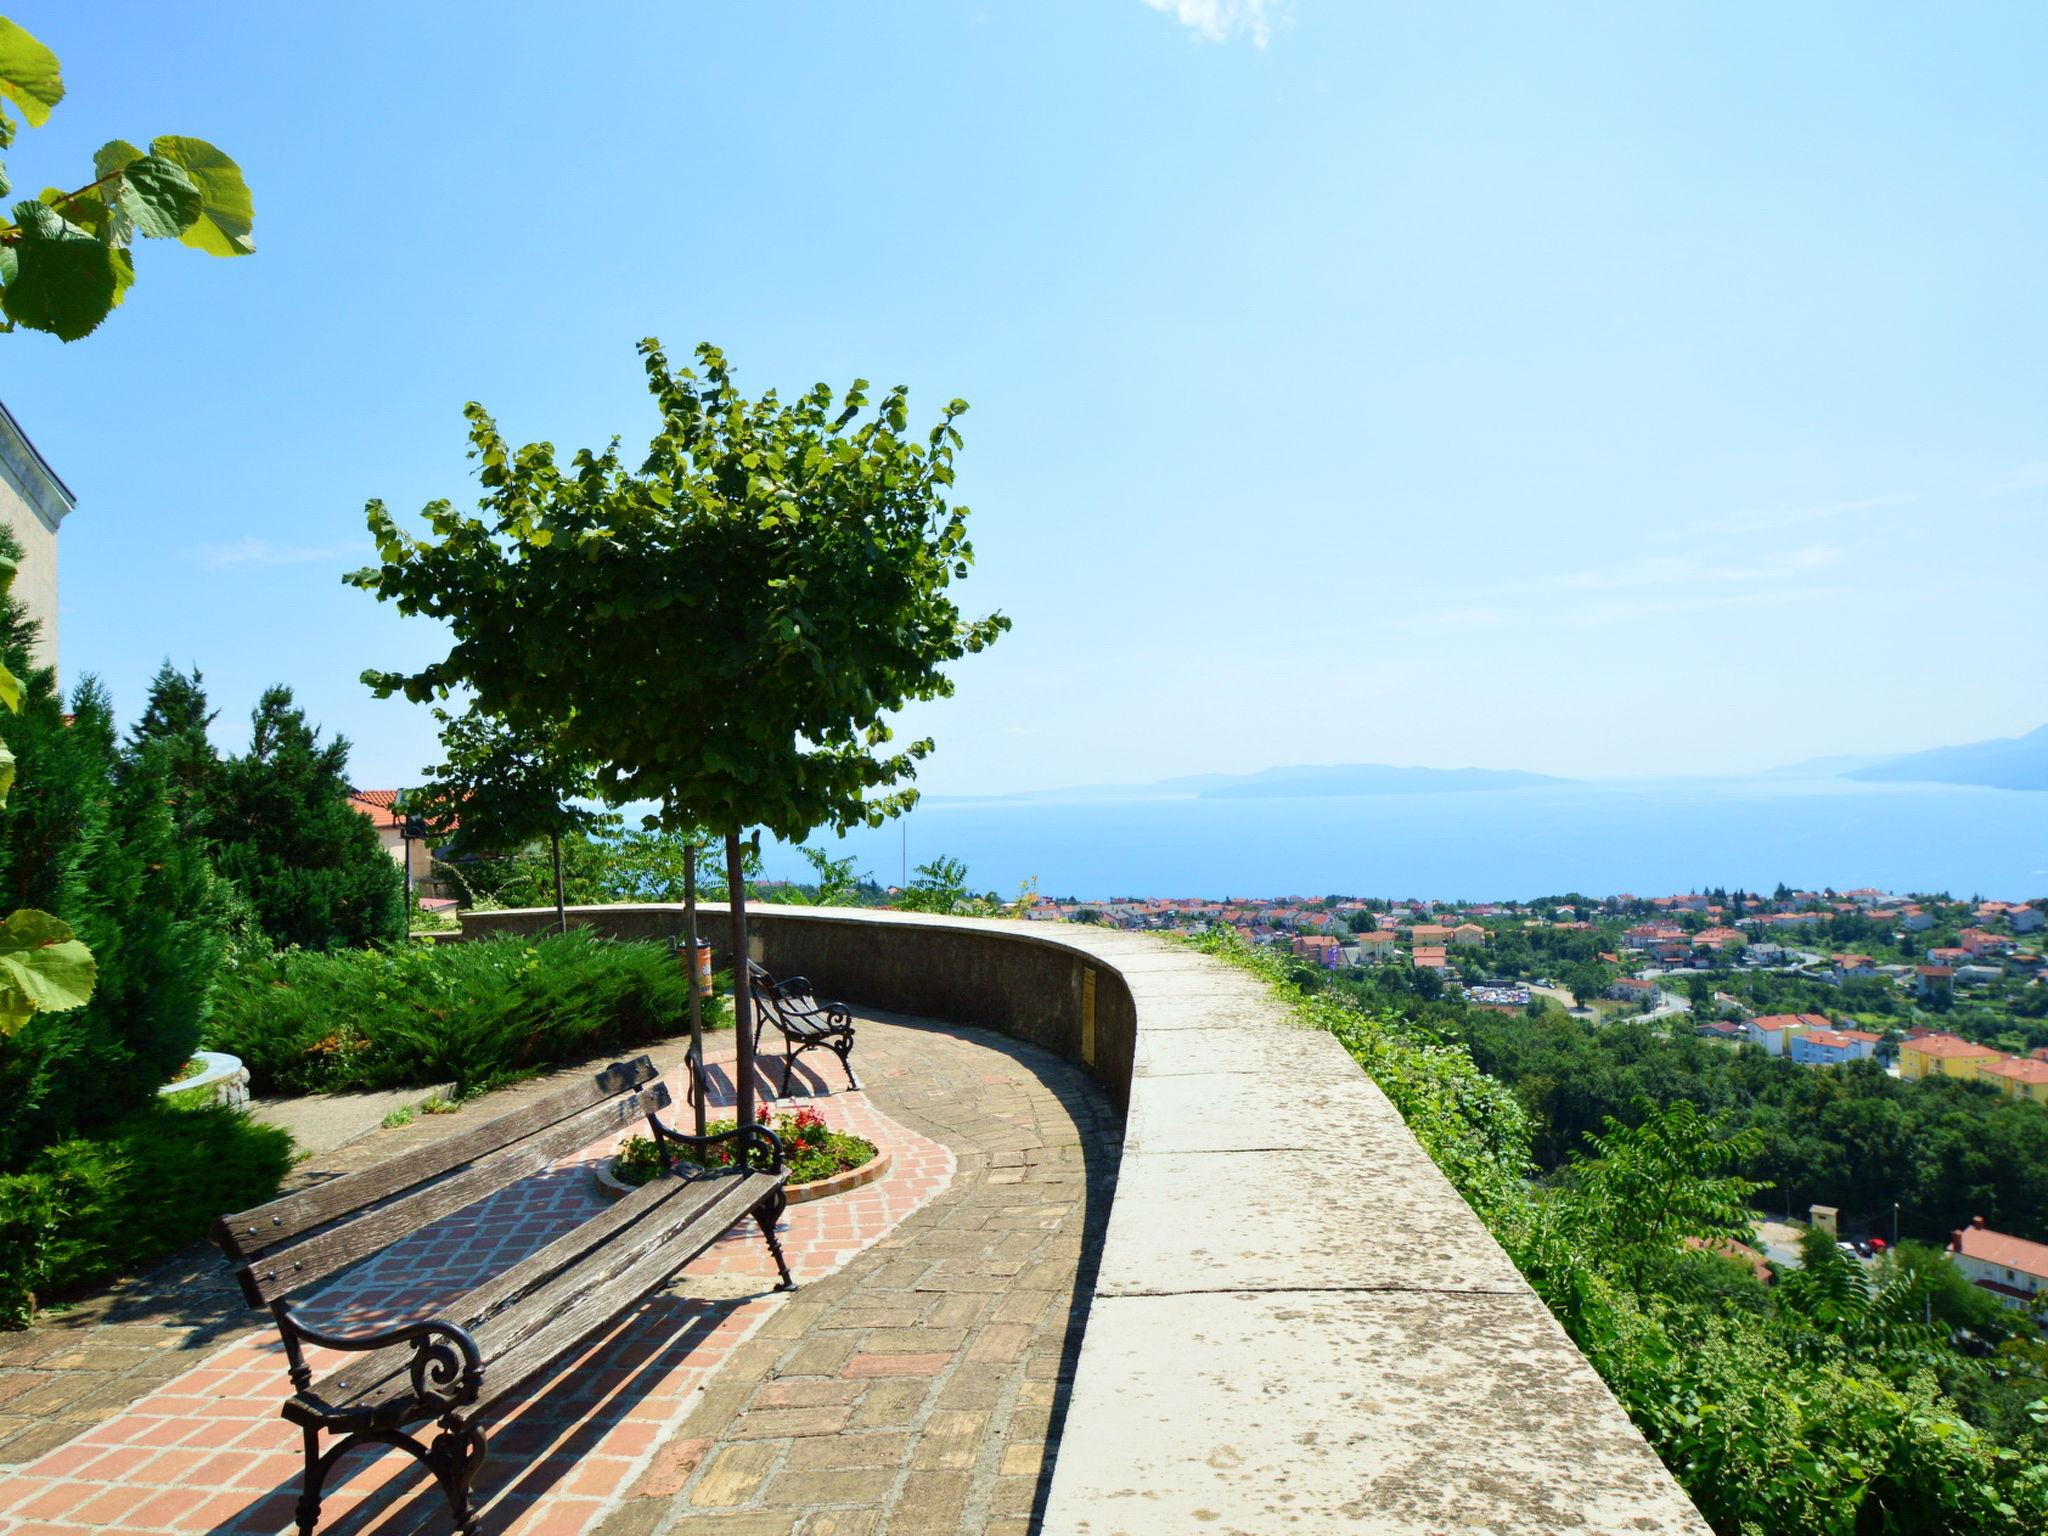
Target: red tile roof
(1976, 1241)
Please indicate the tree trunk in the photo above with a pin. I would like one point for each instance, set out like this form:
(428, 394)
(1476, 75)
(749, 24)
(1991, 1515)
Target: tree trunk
(561, 908)
(742, 993)
(691, 942)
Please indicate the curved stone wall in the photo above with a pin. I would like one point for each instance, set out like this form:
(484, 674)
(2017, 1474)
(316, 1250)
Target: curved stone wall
(1298, 1326)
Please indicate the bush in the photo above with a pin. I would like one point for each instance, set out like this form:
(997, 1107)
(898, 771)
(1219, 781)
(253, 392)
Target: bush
(145, 1186)
(473, 1014)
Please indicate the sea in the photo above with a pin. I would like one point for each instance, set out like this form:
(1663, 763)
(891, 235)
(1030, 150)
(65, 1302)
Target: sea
(1645, 837)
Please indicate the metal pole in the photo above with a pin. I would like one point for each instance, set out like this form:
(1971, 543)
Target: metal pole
(1895, 1225)
(742, 992)
(690, 940)
(561, 910)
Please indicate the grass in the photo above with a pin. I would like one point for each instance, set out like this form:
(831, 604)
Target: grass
(472, 1014)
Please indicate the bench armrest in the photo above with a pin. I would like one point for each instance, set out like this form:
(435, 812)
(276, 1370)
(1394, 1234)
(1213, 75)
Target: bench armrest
(763, 1143)
(447, 1367)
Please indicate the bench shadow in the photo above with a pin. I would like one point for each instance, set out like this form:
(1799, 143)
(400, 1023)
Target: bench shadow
(538, 1436)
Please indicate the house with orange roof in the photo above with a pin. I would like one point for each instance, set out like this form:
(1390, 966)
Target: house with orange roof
(2018, 1078)
(1854, 968)
(1429, 960)
(1934, 980)
(1774, 1032)
(1831, 1047)
(1430, 935)
(1944, 1056)
(1377, 945)
(1983, 944)
(2011, 1268)
(1468, 933)
(380, 808)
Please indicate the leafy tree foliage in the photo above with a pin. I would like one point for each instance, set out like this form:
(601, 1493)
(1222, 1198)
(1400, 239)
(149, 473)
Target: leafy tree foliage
(501, 787)
(281, 827)
(67, 258)
(725, 631)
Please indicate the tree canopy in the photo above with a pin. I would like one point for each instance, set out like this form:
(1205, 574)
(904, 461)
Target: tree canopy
(723, 631)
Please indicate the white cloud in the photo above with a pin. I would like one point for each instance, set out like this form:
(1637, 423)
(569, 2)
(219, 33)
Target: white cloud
(1791, 517)
(1218, 21)
(254, 551)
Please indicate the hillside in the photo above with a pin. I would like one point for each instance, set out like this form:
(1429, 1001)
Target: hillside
(2013, 762)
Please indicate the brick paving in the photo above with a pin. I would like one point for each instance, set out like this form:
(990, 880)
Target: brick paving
(914, 1384)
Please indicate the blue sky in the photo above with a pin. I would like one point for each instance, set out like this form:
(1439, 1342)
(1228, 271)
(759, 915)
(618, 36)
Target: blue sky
(1603, 389)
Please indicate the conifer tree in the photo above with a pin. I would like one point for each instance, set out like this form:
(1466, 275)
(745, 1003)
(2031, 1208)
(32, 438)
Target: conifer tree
(88, 838)
(279, 819)
(172, 730)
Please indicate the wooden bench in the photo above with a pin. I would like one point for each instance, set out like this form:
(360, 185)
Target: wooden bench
(805, 1023)
(454, 1367)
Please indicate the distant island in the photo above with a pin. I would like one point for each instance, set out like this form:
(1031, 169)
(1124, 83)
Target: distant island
(1370, 779)
(1299, 782)
(2011, 762)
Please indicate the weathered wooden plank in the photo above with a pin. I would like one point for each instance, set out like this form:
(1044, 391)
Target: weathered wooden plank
(376, 1376)
(250, 1232)
(524, 1340)
(281, 1271)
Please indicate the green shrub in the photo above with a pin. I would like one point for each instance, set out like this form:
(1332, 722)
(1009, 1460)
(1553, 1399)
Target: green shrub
(423, 1014)
(145, 1186)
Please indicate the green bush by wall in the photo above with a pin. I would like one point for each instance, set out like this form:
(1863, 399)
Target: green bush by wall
(472, 1014)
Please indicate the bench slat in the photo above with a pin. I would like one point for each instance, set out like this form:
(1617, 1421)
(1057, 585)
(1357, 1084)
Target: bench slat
(250, 1232)
(528, 1339)
(281, 1271)
(361, 1385)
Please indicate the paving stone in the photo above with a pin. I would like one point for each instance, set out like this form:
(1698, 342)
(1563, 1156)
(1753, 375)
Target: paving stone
(733, 1473)
(884, 1448)
(813, 1487)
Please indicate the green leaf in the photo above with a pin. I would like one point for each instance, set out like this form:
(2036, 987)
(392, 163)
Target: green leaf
(29, 74)
(66, 280)
(227, 213)
(114, 155)
(160, 197)
(43, 968)
(6, 771)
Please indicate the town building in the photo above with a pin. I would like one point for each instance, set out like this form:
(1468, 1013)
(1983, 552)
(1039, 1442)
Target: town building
(33, 506)
(2019, 1078)
(380, 806)
(1943, 1056)
(1377, 945)
(1774, 1032)
(2011, 1268)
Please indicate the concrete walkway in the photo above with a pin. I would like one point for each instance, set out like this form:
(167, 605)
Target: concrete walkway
(913, 1384)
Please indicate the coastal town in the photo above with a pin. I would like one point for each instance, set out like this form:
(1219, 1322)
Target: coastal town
(1921, 987)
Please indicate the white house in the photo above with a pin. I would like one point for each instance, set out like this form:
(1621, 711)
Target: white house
(2011, 1268)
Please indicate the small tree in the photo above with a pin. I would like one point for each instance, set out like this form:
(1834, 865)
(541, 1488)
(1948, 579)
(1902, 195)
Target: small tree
(502, 788)
(172, 731)
(726, 631)
(67, 259)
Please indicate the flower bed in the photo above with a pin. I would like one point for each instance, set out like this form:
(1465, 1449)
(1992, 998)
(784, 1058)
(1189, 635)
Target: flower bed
(821, 1161)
